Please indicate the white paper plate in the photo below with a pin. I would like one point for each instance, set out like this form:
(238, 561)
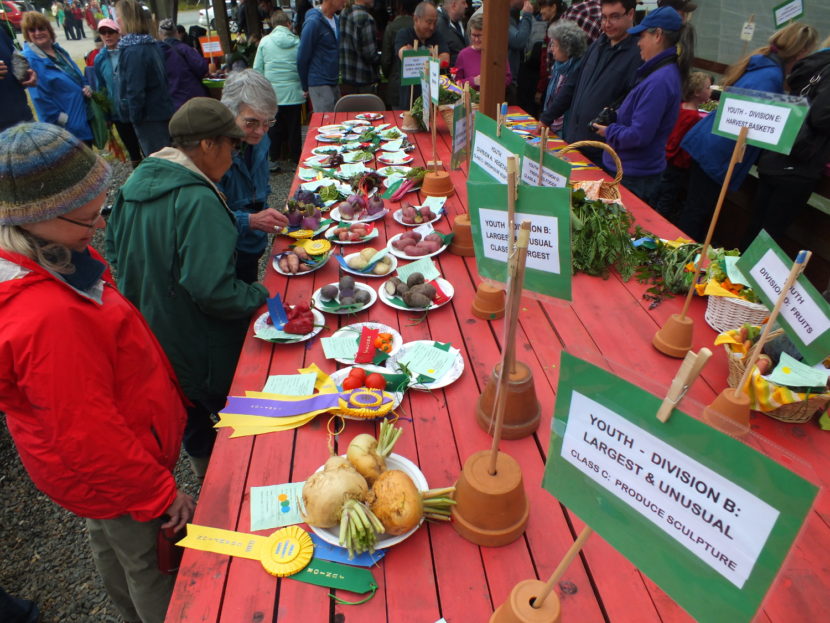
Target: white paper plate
(329, 138)
(350, 157)
(392, 134)
(446, 287)
(327, 150)
(374, 234)
(275, 262)
(398, 170)
(398, 216)
(353, 271)
(317, 161)
(395, 159)
(397, 342)
(393, 461)
(334, 128)
(404, 256)
(307, 175)
(358, 120)
(369, 116)
(317, 302)
(451, 376)
(335, 214)
(261, 328)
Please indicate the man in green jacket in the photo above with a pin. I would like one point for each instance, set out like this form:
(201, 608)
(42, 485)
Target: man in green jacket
(171, 241)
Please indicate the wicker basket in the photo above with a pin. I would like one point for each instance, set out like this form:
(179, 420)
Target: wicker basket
(446, 111)
(608, 191)
(793, 413)
(724, 313)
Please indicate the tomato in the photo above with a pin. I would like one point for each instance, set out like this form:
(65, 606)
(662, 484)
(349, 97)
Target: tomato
(351, 382)
(358, 373)
(375, 381)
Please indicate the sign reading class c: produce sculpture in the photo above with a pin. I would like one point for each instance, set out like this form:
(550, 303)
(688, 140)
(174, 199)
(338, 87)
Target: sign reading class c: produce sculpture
(707, 518)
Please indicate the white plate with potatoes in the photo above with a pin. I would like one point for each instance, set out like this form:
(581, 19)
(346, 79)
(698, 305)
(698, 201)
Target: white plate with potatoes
(384, 267)
(413, 241)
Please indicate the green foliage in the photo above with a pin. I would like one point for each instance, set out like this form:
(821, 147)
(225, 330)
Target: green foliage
(601, 237)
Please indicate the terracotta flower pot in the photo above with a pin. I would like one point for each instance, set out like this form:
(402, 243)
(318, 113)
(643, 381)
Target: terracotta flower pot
(489, 301)
(462, 241)
(437, 184)
(518, 609)
(675, 338)
(522, 412)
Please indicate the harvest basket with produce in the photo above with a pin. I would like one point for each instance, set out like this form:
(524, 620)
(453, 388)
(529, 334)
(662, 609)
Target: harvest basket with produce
(792, 403)
(598, 189)
(730, 303)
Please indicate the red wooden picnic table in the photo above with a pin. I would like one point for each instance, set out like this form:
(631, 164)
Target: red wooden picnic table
(435, 573)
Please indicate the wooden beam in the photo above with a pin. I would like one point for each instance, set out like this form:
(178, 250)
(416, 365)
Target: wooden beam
(221, 20)
(494, 55)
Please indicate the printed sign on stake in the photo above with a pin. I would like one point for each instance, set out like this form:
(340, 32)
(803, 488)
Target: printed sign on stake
(434, 81)
(459, 135)
(787, 11)
(427, 105)
(412, 65)
(548, 268)
(773, 119)
(805, 315)
(719, 517)
(490, 151)
(555, 171)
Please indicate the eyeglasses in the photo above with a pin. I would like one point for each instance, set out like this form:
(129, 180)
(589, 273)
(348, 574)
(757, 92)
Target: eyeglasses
(476, 35)
(38, 29)
(253, 124)
(81, 223)
(106, 31)
(614, 17)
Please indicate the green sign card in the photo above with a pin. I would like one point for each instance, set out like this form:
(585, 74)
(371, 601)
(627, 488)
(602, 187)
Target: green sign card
(805, 315)
(434, 81)
(773, 119)
(787, 11)
(555, 171)
(548, 268)
(459, 135)
(412, 65)
(490, 151)
(707, 518)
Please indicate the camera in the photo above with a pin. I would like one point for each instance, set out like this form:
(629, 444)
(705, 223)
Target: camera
(606, 116)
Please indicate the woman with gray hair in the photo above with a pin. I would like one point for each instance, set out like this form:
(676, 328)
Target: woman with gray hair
(251, 99)
(568, 43)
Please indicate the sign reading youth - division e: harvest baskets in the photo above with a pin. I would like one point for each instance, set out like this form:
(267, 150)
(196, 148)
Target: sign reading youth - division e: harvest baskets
(412, 65)
(773, 120)
(707, 518)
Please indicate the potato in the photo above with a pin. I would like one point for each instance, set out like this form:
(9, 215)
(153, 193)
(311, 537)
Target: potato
(368, 254)
(401, 243)
(415, 279)
(381, 268)
(391, 286)
(358, 263)
(427, 289)
(435, 236)
(328, 293)
(362, 297)
(411, 250)
(413, 235)
(431, 245)
(416, 299)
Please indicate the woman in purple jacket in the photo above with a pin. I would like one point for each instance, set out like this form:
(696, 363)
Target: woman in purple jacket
(649, 111)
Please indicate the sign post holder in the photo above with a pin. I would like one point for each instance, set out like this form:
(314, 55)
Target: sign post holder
(730, 410)
(675, 337)
(462, 240)
(530, 600)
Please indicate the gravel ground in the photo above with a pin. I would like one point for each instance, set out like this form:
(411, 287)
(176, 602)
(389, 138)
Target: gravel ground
(45, 551)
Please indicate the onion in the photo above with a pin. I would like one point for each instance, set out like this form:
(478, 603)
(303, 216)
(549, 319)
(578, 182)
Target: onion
(325, 492)
(368, 455)
(375, 204)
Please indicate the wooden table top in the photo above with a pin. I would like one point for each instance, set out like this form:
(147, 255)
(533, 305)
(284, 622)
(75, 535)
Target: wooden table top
(436, 573)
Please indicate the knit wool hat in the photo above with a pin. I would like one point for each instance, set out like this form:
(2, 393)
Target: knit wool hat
(203, 117)
(46, 172)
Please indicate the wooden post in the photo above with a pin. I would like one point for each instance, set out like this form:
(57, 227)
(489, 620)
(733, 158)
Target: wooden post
(798, 266)
(221, 21)
(469, 117)
(512, 195)
(543, 142)
(737, 156)
(515, 281)
(494, 55)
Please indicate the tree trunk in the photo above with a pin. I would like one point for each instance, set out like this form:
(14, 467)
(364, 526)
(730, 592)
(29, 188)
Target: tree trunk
(222, 30)
(254, 25)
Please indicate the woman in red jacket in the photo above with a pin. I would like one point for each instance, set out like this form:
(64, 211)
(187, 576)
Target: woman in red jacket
(90, 399)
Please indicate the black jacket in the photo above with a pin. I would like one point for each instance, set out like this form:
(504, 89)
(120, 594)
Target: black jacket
(605, 75)
(454, 40)
(811, 150)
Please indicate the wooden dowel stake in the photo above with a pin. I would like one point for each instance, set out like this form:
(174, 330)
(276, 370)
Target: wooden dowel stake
(737, 156)
(587, 531)
(543, 142)
(798, 267)
(515, 281)
(469, 124)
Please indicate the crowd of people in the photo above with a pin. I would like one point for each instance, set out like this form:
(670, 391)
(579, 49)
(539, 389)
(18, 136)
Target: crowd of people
(188, 228)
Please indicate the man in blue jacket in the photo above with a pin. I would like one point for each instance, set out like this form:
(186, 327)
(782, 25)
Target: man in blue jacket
(603, 79)
(318, 61)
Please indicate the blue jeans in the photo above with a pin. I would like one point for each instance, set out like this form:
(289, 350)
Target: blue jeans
(644, 186)
(16, 610)
(152, 136)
